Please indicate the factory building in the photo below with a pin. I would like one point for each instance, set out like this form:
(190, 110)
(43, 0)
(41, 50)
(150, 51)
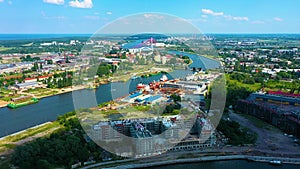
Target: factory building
(280, 111)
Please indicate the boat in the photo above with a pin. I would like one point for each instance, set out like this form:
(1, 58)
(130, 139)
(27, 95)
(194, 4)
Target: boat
(135, 77)
(17, 105)
(164, 78)
(140, 86)
(275, 162)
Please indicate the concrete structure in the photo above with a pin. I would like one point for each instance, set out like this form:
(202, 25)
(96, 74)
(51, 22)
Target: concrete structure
(154, 135)
(26, 85)
(280, 111)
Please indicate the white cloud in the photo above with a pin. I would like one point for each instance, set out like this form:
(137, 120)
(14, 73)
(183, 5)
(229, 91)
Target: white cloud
(222, 14)
(229, 17)
(278, 19)
(211, 12)
(1, 0)
(57, 2)
(108, 13)
(238, 18)
(81, 4)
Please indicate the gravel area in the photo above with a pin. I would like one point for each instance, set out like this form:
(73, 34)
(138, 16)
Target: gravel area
(270, 141)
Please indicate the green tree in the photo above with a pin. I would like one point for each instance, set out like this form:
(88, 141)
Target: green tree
(50, 62)
(35, 66)
(176, 98)
(103, 69)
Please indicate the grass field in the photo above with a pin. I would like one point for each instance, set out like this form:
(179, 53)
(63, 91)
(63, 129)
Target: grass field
(282, 85)
(8, 98)
(2, 48)
(252, 87)
(41, 92)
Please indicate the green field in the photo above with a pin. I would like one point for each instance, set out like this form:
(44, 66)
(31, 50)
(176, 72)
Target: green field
(8, 98)
(42, 92)
(283, 85)
(252, 87)
(2, 48)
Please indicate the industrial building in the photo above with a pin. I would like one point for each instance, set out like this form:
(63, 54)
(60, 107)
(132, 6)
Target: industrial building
(27, 85)
(278, 110)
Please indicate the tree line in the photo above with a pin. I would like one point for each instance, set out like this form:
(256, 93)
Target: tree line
(64, 147)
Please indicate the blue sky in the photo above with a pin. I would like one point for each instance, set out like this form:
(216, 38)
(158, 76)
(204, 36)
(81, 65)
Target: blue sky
(210, 16)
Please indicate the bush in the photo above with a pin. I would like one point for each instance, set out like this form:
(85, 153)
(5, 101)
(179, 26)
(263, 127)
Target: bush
(237, 134)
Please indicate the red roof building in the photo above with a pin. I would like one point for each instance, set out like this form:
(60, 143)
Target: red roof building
(30, 79)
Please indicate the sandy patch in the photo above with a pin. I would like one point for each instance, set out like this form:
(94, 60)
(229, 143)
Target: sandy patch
(3, 103)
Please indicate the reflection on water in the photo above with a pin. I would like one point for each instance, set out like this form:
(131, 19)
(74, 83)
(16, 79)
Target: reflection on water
(238, 164)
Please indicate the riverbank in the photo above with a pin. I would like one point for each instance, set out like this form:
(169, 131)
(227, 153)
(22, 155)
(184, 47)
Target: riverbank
(140, 164)
(8, 143)
(59, 92)
(114, 79)
(197, 160)
(3, 103)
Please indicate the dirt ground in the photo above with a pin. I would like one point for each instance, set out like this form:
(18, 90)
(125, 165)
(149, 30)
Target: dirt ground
(270, 141)
(3, 103)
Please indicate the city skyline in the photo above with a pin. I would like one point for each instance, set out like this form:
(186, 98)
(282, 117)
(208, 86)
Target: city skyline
(88, 16)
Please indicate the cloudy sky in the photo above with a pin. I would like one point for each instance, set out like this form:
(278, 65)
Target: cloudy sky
(210, 16)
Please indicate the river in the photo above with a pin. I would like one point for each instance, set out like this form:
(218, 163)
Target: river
(199, 61)
(14, 120)
(238, 164)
